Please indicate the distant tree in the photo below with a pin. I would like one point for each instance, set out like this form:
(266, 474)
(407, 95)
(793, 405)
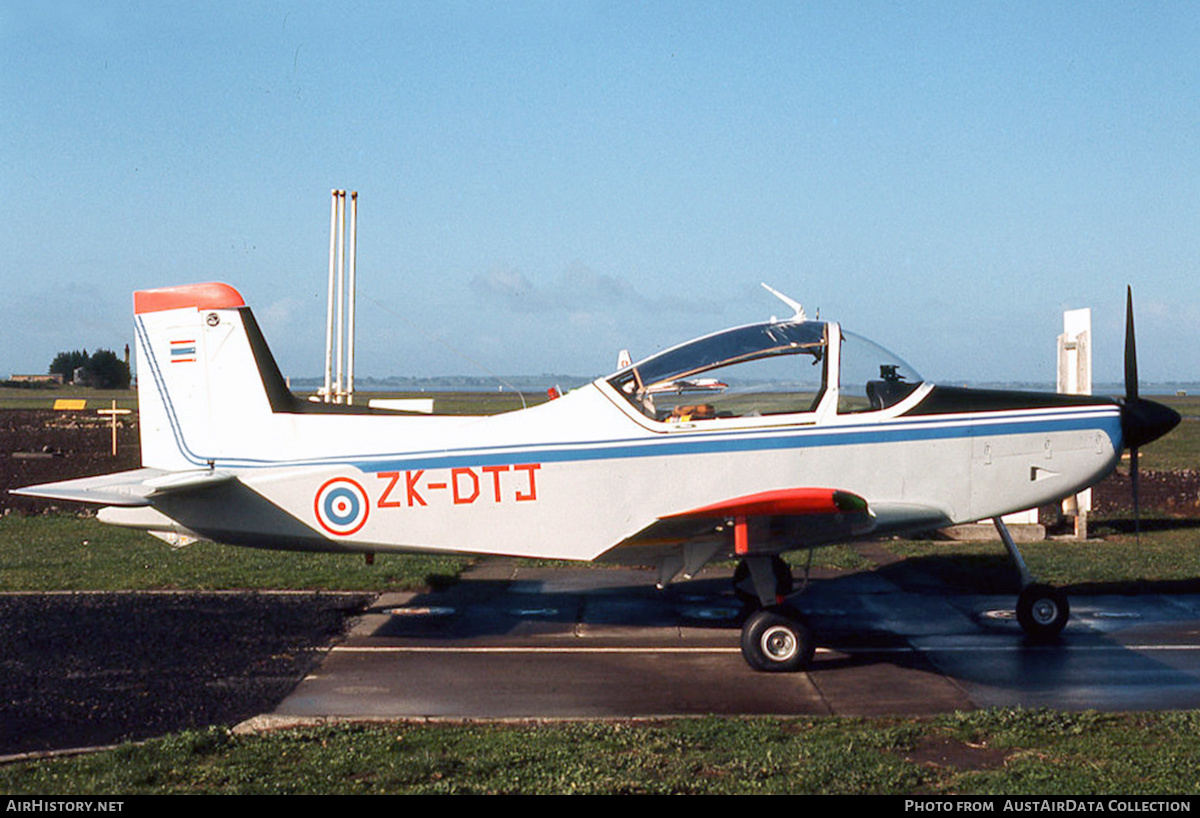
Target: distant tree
(65, 364)
(105, 370)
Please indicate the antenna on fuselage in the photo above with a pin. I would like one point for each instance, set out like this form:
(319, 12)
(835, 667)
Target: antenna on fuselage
(795, 305)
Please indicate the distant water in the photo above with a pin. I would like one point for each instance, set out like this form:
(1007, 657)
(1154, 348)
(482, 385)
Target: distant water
(1172, 388)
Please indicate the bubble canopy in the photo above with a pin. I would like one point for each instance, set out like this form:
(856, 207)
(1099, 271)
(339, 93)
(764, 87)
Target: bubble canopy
(763, 369)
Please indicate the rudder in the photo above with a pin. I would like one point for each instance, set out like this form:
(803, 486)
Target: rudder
(200, 387)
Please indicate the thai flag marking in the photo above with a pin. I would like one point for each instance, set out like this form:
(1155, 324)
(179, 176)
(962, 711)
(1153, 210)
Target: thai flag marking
(183, 352)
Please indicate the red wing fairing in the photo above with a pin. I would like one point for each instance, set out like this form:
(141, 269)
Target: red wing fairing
(773, 521)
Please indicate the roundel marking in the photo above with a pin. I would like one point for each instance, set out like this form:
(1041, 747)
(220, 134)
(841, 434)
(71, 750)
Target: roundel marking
(341, 506)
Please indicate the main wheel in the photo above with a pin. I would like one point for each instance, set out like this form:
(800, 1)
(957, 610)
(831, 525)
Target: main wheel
(775, 639)
(1042, 611)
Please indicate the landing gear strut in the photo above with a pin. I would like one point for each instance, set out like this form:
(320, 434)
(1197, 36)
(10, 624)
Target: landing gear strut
(777, 576)
(1042, 610)
(775, 638)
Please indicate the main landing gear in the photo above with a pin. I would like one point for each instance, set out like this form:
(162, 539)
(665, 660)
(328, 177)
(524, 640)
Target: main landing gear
(1042, 610)
(775, 637)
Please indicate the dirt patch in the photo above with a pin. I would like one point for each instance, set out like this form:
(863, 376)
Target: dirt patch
(947, 753)
(42, 445)
(95, 669)
(1174, 493)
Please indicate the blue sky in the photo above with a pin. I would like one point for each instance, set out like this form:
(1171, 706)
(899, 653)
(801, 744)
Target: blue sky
(544, 183)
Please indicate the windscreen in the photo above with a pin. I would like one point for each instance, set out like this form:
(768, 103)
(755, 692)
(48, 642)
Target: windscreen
(872, 378)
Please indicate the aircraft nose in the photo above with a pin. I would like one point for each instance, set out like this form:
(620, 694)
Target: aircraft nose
(1144, 420)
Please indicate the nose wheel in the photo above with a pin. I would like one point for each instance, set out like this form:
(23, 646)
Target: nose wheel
(1042, 610)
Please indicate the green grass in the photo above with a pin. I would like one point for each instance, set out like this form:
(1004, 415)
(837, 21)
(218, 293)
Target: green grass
(69, 553)
(1180, 449)
(1167, 553)
(989, 752)
(445, 402)
(44, 398)
(62, 552)
(832, 558)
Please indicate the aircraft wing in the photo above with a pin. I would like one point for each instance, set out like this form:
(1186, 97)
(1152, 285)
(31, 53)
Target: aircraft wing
(128, 488)
(774, 522)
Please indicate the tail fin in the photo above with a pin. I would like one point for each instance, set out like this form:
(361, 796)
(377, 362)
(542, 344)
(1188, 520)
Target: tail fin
(207, 383)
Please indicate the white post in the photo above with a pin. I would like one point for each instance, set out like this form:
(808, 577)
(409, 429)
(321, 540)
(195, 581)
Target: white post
(1075, 353)
(336, 390)
(333, 208)
(350, 321)
(341, 294)
(1075, 378)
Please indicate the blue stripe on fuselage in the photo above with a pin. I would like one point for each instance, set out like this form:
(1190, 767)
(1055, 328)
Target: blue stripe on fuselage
(931, 428)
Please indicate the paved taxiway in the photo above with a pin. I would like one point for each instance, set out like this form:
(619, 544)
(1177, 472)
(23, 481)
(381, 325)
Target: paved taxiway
(531, 642)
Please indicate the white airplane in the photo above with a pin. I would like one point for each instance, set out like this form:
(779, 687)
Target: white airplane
(689, 385)
(839, 440)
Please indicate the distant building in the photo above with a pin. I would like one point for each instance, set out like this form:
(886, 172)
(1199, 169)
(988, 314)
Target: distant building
(52, 378)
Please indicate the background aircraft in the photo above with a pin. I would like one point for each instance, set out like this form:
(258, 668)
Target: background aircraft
(826, 438)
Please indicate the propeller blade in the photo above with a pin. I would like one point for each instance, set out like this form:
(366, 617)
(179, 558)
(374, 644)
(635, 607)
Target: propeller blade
(1131, 373)
(1131, 399)
(1142, 421)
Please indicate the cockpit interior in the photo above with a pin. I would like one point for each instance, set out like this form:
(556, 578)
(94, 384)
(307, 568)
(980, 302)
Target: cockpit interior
(773, 368)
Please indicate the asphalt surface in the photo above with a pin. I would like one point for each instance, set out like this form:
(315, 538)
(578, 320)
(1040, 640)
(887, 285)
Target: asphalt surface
(519, 641)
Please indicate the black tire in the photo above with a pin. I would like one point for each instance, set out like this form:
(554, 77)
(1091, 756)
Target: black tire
(776, 639)
(1042, 611)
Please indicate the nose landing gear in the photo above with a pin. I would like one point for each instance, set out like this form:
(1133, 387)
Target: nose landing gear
(1042, 610)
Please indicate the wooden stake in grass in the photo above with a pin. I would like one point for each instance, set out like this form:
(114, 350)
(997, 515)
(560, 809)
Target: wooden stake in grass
(112, 413)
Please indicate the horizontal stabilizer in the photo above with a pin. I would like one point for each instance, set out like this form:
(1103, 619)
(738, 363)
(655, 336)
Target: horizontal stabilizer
(180, 481)
(128, 488)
